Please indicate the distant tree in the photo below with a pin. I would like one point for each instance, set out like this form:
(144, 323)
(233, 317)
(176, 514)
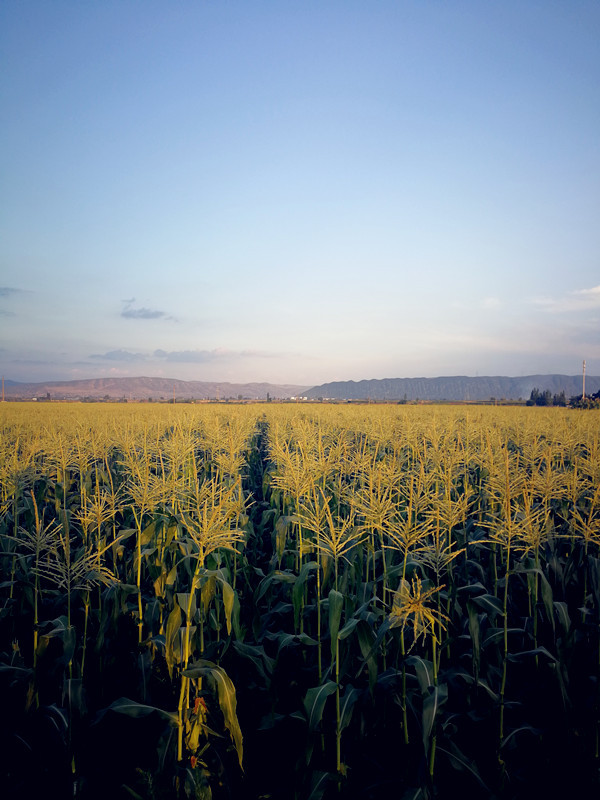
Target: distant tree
(559, 399)
(538, 398)
(591, 401)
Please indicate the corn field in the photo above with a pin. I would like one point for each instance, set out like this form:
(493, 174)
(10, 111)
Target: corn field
(282, 601)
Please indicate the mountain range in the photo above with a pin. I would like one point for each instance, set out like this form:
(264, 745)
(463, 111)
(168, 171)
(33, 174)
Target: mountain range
(145, 388)
(458, 388)
(452, 388)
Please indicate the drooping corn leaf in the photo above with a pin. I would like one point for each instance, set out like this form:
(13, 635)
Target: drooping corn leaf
(226, 696)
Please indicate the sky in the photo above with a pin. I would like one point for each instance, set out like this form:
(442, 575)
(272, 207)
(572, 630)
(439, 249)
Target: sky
(299, 192)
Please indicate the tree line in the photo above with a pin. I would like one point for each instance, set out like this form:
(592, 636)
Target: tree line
(546, 398)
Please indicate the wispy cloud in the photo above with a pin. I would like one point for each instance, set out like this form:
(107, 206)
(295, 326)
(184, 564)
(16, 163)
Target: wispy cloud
(119, 355)
(262, 354)
(142, 313)
(124, 356)
(191, 356)
(577, 300)
(30, 362)
(204, 356)
(129, 312)
(592, 294)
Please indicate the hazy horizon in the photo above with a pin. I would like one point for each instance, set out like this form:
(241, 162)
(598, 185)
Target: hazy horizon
(299, 193)
(309, 386)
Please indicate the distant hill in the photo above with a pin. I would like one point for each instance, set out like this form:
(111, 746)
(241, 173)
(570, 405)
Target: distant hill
(146, 388)
(454, 388)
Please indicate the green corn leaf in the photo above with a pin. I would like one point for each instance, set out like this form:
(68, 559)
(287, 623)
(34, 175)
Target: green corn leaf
(277, 575)
(347, 702)
(433, 700)
(562, 612)
(522, 729)
(173, 624)
(183, 599)
(59, 629)
(486, 687)
(314, 703)
(262, 662)
(490, 604)
(73, 696)
(546, 590)
(496, 635)
(298, 589)
(319, 784)
(366, 642)
(172, 576)
(268, 515)
(474, 632)
(536, 651)
(424, 672)
(471, 588)
(131, 793)
(281, 529)
(462, 762)
(137, 710)
(148, 534)
(288, 639)
(66, 633)
(336, 604)
(207, 592)
(229, 597)
(547, 597)
(348, 628)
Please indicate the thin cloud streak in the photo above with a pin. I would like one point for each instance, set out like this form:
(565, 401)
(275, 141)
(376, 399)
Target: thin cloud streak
(577, 300)
(189, 356)
(184, 356)
(129, 312)
(142, 313)
(205, 356)
(119, 355)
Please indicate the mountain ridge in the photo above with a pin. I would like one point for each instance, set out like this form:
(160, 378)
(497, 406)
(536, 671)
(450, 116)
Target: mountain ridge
(454, 388)
(145, 388)
(457, 388)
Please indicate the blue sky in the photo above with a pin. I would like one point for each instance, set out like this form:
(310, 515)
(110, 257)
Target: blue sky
(254, 190)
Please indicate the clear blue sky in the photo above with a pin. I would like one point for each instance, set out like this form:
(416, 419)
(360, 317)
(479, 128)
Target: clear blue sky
(299, 191)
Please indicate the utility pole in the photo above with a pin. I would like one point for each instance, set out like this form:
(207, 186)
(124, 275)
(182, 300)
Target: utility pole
(583, 380)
